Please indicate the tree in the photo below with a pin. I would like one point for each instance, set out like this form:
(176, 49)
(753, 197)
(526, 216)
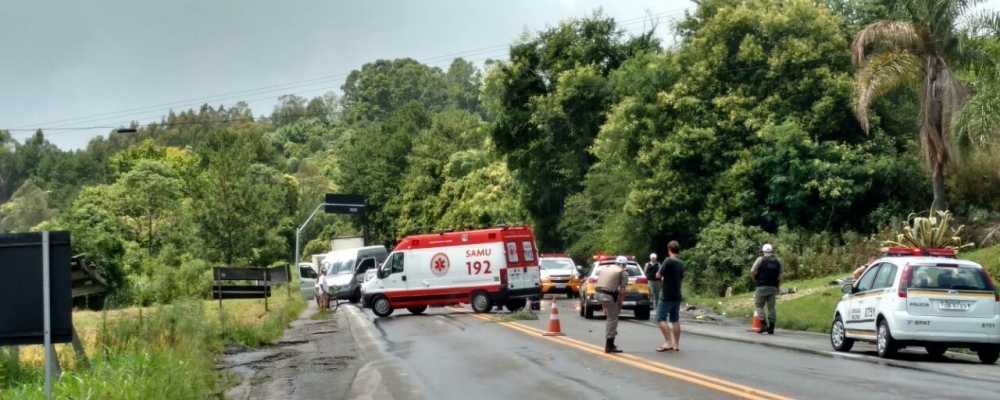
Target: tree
(374, 92)
(240, 201)
(8, 164)
(548, 104)
(922, 50)
(28, 207)
(149, 197)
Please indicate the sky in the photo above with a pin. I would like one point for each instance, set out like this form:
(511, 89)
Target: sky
(103, 63)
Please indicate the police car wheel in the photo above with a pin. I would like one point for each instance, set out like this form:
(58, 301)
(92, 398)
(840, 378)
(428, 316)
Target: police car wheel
(481, 302)
(582, 306)
(381, 307)
(642, 314)
(989, 355)
(838, 336)
(588, 312)
(884, 342)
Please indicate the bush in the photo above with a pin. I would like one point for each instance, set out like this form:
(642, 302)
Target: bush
(723, 257)
(726, 251)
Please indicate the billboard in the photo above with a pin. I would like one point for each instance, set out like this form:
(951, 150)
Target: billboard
(22, 315)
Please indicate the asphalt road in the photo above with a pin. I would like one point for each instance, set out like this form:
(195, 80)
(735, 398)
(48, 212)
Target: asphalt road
(454, 354)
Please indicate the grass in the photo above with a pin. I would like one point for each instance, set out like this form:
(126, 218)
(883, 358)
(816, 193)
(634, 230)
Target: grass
(325, 314)
(988, 257)
(802, 311)
(166, 352)
(524, 314)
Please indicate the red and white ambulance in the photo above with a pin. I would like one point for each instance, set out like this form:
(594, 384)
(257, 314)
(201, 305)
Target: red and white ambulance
(487, 268)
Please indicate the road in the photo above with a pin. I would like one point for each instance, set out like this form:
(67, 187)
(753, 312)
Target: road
(451, 353)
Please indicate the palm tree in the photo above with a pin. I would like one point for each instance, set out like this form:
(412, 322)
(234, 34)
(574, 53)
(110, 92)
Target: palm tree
(922, 51)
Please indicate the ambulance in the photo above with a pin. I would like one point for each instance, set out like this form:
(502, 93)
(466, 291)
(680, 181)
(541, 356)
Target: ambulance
(487, 268)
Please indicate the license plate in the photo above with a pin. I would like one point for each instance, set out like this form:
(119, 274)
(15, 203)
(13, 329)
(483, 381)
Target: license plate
(629, 303)
(560, 286)
(954, 305)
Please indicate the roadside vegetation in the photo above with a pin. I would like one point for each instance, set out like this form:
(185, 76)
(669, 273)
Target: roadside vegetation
(161, 352)
(804, 124)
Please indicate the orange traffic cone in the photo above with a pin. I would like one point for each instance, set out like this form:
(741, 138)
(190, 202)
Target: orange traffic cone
(554, 328)
(756, 323)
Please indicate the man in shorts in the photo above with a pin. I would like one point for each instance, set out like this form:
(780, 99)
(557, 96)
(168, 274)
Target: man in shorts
(669, 306)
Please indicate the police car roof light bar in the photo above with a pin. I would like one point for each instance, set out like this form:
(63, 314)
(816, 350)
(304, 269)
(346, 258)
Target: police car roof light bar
(910, 252)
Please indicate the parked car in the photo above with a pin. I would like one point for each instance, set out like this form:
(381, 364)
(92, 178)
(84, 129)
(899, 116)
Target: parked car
(920, 298)
(559, 274)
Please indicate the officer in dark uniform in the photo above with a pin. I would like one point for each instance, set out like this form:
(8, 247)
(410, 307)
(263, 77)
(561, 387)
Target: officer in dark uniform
(610, 291)
(767, 273)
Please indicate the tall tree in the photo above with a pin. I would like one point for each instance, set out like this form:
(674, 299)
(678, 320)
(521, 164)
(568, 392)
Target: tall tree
(239, 201)
(548, 104)
(922, 50)
(28, 207)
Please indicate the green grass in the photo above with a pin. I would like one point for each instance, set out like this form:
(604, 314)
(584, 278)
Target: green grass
(167, 352)
(988, 257)
(321, 315)
(806, 312)
(524, 314)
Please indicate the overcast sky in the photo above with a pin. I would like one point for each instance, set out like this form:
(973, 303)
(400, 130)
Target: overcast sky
(71, 59)
(119, 60)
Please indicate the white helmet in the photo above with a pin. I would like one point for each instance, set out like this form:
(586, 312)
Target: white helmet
(621, 260)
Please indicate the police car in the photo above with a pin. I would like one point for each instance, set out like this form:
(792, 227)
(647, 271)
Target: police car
(636, 293)
(559, 274)
(920, 298)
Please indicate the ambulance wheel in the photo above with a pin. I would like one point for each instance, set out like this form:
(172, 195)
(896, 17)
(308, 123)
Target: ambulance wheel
(417, 310)
(481, 302)
(381, 307)
(516, 304)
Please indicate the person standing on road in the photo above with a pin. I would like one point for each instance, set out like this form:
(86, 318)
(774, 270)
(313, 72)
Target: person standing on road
(324, 290)
(767, 273)
(610, 291)
(651, 269)
(672, 274)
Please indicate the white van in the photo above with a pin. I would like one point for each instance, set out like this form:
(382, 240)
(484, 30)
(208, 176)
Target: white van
(346, 268)
(487, 268)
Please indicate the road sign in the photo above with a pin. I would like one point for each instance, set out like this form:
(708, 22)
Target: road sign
(353, 204)
(21, 288)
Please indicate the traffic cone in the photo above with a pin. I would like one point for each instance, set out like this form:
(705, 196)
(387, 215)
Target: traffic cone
(756, 322)
(554, 328)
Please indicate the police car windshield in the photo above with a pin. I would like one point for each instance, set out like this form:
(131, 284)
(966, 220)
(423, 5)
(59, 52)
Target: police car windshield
(949, 278)
(555, 264)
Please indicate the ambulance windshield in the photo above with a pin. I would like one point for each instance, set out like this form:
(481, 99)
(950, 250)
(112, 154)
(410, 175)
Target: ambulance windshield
(548, 264)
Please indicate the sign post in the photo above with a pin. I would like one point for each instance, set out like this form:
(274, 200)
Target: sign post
(47, 312)
(352, 204)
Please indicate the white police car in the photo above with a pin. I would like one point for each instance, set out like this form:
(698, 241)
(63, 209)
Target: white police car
(926, 298)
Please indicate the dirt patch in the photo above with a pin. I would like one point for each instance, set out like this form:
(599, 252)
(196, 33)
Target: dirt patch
(314, 359)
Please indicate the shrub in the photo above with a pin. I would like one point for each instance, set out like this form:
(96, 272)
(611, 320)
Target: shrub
(723, 257)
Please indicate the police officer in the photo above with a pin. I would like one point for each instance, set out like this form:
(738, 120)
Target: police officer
(767, 273)
(650, 269)
(610, 291)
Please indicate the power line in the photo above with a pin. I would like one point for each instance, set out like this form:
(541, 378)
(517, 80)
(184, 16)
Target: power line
(292, 85)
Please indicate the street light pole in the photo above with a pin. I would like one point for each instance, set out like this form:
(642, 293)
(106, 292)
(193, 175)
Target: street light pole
(298, 232)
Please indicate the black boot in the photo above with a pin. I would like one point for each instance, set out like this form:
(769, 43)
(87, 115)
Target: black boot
(770, 327)
(609, 346)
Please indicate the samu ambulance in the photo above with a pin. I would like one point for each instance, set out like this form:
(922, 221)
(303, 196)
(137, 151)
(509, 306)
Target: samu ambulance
(487, 268)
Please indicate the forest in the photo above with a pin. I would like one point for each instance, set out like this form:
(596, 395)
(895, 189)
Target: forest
(818, 126)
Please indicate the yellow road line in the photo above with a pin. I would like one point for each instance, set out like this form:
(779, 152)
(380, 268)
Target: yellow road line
(721, 385)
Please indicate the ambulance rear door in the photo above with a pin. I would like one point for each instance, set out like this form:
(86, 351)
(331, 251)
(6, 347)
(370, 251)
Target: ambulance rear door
(522, 264)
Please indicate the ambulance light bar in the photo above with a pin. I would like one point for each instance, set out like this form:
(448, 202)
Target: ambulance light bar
(911, 252)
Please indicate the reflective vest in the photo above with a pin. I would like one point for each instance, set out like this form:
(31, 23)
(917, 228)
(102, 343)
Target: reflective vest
(768, 272)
